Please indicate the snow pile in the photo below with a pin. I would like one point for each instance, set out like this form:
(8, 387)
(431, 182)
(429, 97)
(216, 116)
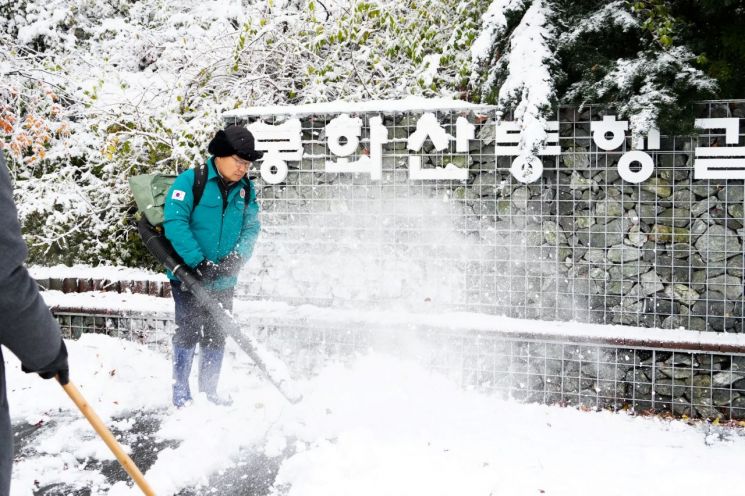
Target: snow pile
(389, 427)
(381, 426)
(114, 375)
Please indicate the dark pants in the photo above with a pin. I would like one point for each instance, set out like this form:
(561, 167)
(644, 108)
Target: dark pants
(193, 323)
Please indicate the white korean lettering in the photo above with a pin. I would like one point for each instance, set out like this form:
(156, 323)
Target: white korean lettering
(464, 132)
(526, 168)
(428, 127)
(645, 160)
(280, 143)
(640, 157)
(720, 162)
(351, 129)
(609, 125)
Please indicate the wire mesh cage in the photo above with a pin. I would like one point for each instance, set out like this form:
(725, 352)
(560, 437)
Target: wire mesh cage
(570, 372)
(580, 243)
(153, 330)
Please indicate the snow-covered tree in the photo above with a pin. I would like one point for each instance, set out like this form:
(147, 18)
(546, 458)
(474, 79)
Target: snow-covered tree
(94, 91)
(534, 54)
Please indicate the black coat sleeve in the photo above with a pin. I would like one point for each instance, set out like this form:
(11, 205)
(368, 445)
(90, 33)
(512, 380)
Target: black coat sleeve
(27, 327)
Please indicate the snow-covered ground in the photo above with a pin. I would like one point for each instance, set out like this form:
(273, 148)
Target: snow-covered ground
(381, 426)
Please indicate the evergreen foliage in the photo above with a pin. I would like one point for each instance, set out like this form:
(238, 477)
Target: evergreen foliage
(713, 30)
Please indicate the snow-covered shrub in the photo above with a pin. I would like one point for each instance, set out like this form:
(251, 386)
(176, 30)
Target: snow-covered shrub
(391, 49)
(87, 101)
(93, 91)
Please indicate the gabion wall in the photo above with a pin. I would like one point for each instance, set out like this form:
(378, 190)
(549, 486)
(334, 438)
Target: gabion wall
(550, 371)
(696, 383)
(580, 243)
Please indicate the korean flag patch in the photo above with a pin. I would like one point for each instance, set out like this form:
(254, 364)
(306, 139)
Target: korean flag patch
(243, 193)
(178, 195)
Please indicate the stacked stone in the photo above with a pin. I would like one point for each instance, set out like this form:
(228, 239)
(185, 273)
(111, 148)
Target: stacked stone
(581, 243)
(664, 253)
(693, 384)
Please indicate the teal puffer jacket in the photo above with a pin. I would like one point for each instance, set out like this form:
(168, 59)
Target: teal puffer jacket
(206, 231)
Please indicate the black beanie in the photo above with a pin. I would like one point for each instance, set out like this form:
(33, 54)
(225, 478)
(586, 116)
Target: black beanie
(234, 140)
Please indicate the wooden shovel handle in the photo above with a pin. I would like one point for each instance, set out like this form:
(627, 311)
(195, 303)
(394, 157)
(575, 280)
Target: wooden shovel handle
(107, 437)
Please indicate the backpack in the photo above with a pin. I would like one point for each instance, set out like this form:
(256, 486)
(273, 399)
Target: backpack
(150, 192)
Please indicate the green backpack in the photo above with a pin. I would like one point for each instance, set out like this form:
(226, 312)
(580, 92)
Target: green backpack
(150, 192)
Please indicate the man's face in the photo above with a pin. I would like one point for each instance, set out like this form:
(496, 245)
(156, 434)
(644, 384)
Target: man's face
(232, 168)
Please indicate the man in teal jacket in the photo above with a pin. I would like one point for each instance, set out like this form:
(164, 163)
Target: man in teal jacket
(215, 238)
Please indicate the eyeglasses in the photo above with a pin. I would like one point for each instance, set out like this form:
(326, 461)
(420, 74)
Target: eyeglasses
(243, 164)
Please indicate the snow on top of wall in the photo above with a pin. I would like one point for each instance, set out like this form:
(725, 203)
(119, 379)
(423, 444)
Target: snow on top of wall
(408, 104)
(484, 322)
(109, 301)
(101, 272)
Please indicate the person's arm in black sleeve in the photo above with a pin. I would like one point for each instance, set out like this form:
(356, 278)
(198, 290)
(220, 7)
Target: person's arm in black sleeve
(28, 328)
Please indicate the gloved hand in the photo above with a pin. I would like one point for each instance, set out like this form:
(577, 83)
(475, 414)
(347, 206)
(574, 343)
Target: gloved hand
(230, 265)
(58, 366)
(206, 271)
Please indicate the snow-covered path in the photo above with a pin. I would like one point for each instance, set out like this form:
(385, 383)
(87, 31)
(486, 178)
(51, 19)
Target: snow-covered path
(381, 426)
